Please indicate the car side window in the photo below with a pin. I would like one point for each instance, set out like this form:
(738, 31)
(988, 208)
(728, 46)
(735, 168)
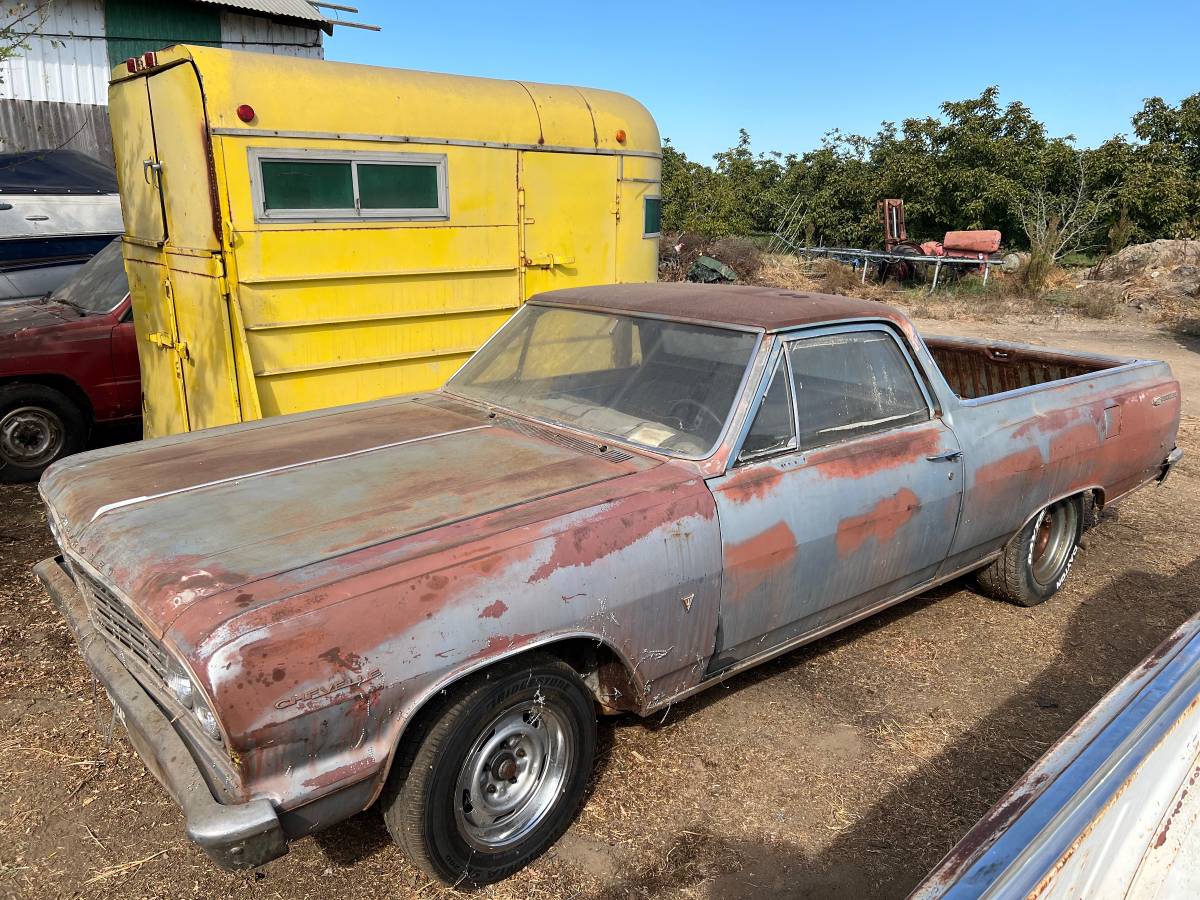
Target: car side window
(774, 428)
(852, 384)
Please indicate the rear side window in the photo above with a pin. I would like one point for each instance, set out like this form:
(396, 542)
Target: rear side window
(853, 384)
(341, 186)
(653, 217)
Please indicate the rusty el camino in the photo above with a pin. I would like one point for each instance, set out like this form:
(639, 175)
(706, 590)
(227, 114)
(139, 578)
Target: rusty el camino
(629, 494)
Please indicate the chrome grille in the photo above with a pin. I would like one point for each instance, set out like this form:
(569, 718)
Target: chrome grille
(124, 633)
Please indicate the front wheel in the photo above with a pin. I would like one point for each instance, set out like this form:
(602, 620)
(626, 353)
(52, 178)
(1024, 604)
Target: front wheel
(37, 426)
(1036, 562)
(495, 774)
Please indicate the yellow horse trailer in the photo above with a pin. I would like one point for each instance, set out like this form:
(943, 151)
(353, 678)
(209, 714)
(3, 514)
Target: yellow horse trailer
(302, 234)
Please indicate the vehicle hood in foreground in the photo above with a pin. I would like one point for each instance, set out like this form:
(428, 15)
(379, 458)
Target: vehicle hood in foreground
(173, 521)
(26, 314)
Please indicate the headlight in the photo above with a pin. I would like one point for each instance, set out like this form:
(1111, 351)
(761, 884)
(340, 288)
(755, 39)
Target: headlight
(208, 722)
(180, 684)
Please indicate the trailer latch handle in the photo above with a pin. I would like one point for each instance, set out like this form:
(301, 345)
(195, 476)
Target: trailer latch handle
(548, 261)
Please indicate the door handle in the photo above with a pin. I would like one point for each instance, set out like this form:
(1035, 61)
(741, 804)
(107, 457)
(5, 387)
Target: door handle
(148, 166)
(948, 456)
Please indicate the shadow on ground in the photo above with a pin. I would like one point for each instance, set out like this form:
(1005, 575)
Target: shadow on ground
(886, 852)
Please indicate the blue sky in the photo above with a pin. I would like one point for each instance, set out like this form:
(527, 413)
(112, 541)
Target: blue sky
(789, 72)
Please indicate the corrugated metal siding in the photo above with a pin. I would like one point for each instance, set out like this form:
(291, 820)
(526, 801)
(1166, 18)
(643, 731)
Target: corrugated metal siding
(38, 125)
(293, 9)
(261, 35)
(135, 26)
(65, 61)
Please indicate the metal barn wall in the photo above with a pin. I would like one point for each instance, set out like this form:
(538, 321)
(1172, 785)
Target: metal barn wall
(55, 92)
(66, 61)
(40, 124)
(260, 35)
(135, 26)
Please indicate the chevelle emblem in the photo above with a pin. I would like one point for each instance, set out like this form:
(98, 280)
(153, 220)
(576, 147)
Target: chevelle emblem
(317, 693)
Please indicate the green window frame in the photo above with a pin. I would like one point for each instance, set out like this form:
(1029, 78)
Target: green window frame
(652, 217)
(315, 185)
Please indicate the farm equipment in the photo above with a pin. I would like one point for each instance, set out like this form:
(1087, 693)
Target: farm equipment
(958, 251)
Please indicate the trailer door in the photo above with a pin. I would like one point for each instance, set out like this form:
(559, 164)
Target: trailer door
(137, 161)
(570, 220)
(173, 252)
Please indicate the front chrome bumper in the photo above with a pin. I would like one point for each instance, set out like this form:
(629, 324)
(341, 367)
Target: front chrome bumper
(234, 835)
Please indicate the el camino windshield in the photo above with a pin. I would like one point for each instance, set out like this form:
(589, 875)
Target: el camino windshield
(661, 384)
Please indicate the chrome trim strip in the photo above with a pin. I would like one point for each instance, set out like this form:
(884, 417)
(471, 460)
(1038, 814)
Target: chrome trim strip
(132, 501)
(415, 139)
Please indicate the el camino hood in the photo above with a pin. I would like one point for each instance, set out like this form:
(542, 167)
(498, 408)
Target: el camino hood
(173, 521)
(16, 317)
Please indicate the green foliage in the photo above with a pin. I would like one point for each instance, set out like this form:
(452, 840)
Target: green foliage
(976, 165)
(17, 20)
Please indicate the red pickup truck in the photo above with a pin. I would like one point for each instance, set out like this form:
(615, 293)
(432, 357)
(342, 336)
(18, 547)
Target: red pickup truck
(67, 362)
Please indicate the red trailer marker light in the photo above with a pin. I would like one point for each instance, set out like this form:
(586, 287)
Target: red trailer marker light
(245, 112)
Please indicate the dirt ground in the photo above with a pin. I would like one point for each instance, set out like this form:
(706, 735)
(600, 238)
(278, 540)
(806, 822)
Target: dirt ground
(845, 769)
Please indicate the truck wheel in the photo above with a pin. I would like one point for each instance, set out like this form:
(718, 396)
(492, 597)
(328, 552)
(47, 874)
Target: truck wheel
(495, 774)
(1035, 563)
(37, 426)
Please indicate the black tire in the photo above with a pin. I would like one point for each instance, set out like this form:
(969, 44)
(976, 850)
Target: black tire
(38, 425)
(1036, 562)
(428, 810)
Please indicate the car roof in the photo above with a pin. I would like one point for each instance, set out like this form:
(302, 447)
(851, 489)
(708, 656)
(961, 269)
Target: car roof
(738, 306)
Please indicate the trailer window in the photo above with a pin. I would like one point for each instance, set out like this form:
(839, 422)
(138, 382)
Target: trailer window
(302, 185)
(653, 226)
(397, 186)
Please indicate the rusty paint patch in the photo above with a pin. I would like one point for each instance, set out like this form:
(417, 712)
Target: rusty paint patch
(494, 610)
(880, 523)
(866, 457)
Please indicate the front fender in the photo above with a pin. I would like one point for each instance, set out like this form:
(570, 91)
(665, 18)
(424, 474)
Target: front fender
(319, 700)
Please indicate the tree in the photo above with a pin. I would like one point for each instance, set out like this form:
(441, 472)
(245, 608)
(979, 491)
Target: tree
(17, 22)
(1057, 223)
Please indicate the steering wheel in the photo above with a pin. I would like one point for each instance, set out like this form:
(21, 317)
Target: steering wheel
(698, 407)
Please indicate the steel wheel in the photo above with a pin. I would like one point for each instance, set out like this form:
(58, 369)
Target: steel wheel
(513, 776)
(1055, 532)
(494, 772)
(31, 436)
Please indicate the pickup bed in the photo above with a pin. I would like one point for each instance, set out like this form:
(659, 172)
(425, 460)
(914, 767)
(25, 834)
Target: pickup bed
(629, 494)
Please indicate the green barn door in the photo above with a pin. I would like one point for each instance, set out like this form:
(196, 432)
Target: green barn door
(134, 26)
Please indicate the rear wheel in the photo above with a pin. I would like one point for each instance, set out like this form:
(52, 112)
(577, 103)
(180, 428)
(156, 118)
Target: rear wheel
(1036, 562)
(37, 426)
(495, 774)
